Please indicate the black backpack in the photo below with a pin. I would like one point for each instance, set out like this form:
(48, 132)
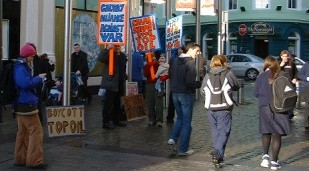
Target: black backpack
(218, 92)
(284, 95)
(8, 90)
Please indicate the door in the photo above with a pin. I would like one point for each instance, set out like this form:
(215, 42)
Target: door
(261, 48)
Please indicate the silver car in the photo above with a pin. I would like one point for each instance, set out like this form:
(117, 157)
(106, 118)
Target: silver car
(247, 65)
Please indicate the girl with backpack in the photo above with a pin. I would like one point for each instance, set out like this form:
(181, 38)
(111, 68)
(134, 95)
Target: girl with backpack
(272, 125)
(217, 88)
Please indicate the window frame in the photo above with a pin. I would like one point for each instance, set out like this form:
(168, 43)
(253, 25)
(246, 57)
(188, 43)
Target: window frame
(256, 1)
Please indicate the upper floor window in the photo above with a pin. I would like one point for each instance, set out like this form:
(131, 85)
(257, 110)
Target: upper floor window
(292, 4)
(261, 4)
(232, 4)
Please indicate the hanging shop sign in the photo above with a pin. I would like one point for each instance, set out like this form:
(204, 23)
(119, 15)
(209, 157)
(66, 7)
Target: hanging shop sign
(145, 33)
(173, 33)
(112, 22)
(260, 28)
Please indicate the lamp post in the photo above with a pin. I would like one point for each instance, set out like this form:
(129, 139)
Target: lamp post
(1, 52)
(220, 48)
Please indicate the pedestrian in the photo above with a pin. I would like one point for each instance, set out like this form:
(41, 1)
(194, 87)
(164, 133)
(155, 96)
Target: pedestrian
(47, 67)
(137, 71)
(272, 125)
(303, 75)
(79, 65)
(161, 75)
(29, 136)
(114, 86)
(171, 108)
(154, 103)
(288, 66)
(201, 63)
(217, 87)
(183, 86)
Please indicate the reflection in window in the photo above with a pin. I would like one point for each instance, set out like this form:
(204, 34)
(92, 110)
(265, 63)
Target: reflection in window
(292, 4)
(262, 4)
(232, 4)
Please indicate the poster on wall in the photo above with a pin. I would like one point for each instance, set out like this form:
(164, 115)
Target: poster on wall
(65, 120)
(145, 34)
(131, 88)
(84, 33)
(173, 33)
(208, 7)
(112, 22)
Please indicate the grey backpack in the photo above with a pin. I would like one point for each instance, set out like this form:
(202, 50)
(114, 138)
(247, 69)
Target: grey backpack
(284, 95)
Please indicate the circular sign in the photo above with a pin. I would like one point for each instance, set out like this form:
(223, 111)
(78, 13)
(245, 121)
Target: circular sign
(242, 29)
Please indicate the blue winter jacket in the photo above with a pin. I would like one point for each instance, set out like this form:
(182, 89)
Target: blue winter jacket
(25, 83)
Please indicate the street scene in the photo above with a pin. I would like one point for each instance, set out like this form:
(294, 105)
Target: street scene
(142, 147)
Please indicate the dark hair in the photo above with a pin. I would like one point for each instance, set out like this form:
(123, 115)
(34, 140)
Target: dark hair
(76, 44)
(44, 55)
(184, 49)
(192, 45)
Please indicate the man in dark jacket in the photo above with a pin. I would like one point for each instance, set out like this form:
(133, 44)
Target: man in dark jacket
(183, 85)
(79, 65)
(114, 85)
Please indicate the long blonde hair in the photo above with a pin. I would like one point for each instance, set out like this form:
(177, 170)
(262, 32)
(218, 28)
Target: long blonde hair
(272, 64)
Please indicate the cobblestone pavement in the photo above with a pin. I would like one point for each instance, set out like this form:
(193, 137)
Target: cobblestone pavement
(140, 147)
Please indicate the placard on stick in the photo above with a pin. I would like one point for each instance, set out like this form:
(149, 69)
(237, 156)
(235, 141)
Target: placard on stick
(134, 107)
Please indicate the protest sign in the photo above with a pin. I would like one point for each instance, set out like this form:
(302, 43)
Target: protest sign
(65, 120)
(134, 107)
(145, 33)
(112, 22)
(131, 88)
(173, 33)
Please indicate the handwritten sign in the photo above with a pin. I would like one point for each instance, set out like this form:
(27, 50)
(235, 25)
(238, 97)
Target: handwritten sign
(134, 107)
(131, 88)
(173, 33)
(145, 33)
(65, 120)
(112, 22)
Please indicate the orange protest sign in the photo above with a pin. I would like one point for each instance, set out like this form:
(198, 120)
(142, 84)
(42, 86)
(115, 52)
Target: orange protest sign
(111, 62)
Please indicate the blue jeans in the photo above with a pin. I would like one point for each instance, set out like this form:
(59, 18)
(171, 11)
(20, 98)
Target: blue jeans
(182, 128)
(221, 123)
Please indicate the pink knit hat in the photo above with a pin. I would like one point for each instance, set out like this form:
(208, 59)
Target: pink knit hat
(27, 50)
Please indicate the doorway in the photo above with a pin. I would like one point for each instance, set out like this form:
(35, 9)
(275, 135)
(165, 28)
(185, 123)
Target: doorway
(261, 48)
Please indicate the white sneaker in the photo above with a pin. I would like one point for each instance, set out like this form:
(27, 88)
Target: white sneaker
(170, 142)
(275, 165)
(265, 161)
(189, 152)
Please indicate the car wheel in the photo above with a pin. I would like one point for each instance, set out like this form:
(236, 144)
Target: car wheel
(252, 74)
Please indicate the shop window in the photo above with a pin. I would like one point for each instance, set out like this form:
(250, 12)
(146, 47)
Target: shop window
(232, 43)
(207, 48)
(294, 43)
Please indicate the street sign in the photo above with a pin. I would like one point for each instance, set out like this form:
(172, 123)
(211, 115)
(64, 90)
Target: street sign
(242, 29)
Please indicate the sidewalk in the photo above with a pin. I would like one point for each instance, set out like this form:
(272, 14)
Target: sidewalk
(139, 147)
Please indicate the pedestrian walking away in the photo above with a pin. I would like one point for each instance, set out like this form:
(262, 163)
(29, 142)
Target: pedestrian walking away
(183, 86)
(272, 125)
(217, 87)
(29, 136)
